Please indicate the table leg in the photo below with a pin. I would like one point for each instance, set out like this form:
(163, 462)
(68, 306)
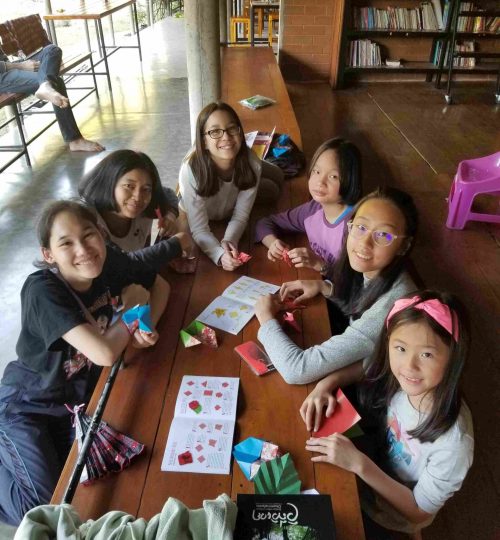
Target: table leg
(100, 35)
(134, 6)
(252, 14)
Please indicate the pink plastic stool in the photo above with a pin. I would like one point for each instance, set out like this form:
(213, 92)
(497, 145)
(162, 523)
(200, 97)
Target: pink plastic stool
(474, 177)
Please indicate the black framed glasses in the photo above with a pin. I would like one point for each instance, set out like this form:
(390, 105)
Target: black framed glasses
(381, 238)
(218, 133)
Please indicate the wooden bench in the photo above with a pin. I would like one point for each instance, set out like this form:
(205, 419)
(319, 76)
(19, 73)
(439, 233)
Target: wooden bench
(27, 34)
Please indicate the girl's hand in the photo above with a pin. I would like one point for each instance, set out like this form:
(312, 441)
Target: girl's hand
(304, 257)
(275, 252)
(301, 289)
(134, 294)
(143, 340)
(312, 408)
(167, 225)
(337, 450)
(266, 308)
(229, 260)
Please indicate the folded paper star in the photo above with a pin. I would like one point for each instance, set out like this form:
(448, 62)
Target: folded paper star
(344, 417)
(277, 477)
(251, 453)
(244, 257)
(198, 333)
(138, 317)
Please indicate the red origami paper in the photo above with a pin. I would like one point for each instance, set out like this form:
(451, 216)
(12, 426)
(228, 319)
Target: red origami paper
(243, 257)
(288, 304)
(286, 258)
(288, 318)
(344, 417)
(185, 458)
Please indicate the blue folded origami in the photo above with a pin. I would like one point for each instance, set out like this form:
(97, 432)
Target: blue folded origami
(141, 314)
(251, 452)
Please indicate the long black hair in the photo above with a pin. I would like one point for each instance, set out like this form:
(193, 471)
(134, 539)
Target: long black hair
(380, 385)
(97, 187)
(350, 293)
(204, 170)
(349, 158)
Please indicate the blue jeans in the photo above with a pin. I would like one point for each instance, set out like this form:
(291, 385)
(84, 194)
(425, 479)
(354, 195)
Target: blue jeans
(27, 82)
(33, 450)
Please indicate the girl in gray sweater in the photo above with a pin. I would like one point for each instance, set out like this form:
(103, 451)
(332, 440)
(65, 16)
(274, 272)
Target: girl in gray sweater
(369, 276)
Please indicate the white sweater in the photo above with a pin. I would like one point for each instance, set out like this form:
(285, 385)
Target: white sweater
(229, 201)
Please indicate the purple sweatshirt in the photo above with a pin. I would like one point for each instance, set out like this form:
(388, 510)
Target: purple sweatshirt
(324, 238)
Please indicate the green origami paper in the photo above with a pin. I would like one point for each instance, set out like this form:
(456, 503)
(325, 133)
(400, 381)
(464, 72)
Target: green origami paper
(277, 477)
(353, 431)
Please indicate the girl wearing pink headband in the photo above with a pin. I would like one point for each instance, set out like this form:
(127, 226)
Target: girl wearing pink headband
(412, 390)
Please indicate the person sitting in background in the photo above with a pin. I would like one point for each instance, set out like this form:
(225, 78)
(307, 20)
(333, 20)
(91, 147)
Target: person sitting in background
(40, 76)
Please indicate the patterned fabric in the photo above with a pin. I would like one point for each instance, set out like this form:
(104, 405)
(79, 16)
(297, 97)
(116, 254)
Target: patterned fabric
(10, 45)
(29, 32)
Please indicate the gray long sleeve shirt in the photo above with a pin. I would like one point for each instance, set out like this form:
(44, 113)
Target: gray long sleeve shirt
(357, 342)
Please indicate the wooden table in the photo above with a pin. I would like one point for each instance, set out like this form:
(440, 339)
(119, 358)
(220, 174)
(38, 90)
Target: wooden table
(263, 6)
(143, 399)
(96, 10)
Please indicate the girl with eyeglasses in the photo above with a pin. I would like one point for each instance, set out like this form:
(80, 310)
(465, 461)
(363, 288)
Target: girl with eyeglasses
(368, 277)
(335, 186)
(221, 178)
(422, 436)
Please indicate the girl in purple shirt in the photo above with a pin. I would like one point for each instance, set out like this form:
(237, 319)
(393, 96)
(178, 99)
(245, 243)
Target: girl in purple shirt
(335, 186)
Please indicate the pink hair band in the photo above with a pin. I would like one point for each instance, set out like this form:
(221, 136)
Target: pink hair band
(440, 312)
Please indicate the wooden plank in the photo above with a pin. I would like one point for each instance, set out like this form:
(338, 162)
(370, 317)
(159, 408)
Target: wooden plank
(96, 9)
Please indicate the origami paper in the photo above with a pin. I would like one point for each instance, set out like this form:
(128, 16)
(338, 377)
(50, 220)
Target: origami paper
(277, 477)
(197, 333)
(251, 453)
(289, 318)
(288, 304)
(343, 418)
(195, 406)
(138, 316)
(185, 458)
(244, 257)
(286, 258)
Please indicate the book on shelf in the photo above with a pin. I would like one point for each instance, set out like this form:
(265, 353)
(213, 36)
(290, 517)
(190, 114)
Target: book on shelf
(460, 47)
(284, 516)
(364, 53)
(427, 16)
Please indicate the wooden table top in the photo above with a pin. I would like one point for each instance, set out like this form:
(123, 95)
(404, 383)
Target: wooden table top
(88, 9)
(143, 399)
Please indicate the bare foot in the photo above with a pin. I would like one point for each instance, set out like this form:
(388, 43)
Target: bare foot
(46, 92)
(84, 145)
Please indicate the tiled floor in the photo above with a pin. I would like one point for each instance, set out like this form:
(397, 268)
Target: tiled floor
(148, 111)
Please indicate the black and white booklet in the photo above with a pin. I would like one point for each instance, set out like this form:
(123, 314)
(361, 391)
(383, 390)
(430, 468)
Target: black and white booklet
(284, 517)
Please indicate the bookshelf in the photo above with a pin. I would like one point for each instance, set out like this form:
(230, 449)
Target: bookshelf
(419, 33)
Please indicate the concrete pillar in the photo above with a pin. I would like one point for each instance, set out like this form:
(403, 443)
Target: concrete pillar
(223, 20)
(203, 55)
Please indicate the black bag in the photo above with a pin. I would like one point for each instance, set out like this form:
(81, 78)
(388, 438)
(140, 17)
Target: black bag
(284, 153)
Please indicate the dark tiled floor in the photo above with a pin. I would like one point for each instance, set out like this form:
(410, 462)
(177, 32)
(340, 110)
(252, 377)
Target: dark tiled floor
(148, 111)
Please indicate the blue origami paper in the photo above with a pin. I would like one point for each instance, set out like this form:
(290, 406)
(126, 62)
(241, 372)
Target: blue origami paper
(252, 452)
(142, 314)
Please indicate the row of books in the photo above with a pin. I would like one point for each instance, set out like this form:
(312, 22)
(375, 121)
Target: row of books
(427, 16)
(364, 53)
(477, 23)
(464, 46)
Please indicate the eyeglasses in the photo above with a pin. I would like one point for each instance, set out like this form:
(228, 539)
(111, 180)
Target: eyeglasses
(381, 238)
(219, 132)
